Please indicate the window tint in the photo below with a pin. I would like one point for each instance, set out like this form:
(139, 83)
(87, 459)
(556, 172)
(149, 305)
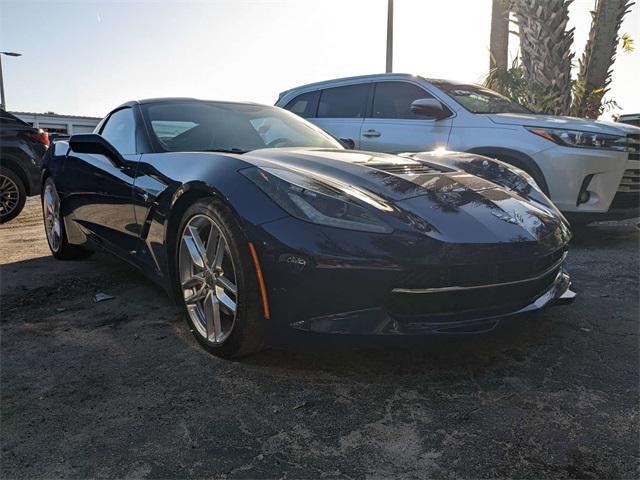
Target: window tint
(393, 100)
(210, 126)
(343, 102)
(304, 105)
(478, 99)
(120, 131)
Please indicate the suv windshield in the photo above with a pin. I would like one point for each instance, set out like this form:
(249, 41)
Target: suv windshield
(229, 127)
(478, 99)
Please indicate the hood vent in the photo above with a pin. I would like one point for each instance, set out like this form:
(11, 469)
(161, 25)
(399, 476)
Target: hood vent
(407, 168)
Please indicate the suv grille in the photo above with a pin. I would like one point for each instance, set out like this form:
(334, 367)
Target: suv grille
(628, 194)
(630, 181)
(634, 146)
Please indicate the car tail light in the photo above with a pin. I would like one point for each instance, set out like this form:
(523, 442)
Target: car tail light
(40, 136)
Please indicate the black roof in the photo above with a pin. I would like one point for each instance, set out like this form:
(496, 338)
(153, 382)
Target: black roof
(182, 99)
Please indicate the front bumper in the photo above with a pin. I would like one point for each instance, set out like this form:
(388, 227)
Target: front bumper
(602, 174)
(336, 281)
(377, 321)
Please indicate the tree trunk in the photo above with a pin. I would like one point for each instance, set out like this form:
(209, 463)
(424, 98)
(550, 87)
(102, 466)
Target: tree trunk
(545, 52)
(599, 54)
(499, 39)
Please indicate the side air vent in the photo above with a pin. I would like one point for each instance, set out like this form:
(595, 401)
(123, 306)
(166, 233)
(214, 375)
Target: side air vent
(407, 169)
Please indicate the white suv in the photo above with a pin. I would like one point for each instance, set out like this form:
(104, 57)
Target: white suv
(590, 169)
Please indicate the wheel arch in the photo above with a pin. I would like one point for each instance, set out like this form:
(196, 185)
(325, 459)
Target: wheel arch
(517, 159)
(181, 200)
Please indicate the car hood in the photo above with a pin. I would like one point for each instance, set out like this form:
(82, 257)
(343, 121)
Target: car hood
(569, 123)
(391, 177)
(440, 201)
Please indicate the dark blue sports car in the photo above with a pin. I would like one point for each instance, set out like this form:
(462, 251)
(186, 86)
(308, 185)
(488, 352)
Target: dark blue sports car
(256, 220)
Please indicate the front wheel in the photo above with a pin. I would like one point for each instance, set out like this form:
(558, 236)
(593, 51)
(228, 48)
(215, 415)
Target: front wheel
(12, 195)
(54, 225)
(216, 281)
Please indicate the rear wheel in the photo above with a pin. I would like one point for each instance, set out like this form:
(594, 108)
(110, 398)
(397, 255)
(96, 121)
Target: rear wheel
(217, 282)
(54, 225)
(12, 195)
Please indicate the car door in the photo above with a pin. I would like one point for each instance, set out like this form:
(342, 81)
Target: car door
(99, 192)
(392, 126)
(341, 110)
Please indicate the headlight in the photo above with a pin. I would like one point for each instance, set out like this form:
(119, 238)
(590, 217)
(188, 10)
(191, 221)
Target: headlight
(526, 176)
(309, 199)
(576, 138)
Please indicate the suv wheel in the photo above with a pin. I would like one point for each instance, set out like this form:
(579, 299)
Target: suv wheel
(12, 195)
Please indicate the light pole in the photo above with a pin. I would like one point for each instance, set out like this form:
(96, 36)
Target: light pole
(3, 105)
(389, 36)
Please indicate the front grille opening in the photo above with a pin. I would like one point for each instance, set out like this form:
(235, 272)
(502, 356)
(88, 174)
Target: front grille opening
(479, 274)
(630, 180)
(626, 200)
(496, 296)
(489, 301)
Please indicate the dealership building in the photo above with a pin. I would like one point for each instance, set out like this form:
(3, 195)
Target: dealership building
(61, 124)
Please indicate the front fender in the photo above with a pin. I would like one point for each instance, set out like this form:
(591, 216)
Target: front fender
(165, 186)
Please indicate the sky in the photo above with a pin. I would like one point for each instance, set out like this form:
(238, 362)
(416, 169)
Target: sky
(87, 57)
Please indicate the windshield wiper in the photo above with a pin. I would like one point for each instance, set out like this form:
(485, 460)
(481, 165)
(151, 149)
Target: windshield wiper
(226, 150)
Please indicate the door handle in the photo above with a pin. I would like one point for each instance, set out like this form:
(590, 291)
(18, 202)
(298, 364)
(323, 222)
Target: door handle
(371, 133)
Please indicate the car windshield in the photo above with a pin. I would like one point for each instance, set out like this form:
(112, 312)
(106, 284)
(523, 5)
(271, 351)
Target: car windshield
(228, 127)
(478, 99)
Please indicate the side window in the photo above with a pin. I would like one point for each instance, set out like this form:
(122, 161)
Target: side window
(393, 100)
(120, 130)
(304, 105)
(344, 102)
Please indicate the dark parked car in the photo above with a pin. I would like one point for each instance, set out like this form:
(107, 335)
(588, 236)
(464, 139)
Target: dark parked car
(21, 151)
(257, 220)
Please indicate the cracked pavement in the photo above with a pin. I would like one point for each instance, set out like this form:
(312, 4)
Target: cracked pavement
(121, 389)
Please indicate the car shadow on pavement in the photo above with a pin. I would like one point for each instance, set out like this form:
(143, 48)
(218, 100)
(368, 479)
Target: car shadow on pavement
(605, 235)
(121, 388)
(70, 287)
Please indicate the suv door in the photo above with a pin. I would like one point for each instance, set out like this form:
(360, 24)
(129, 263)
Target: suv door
(341, 110)
(100, 192)
(392, 127)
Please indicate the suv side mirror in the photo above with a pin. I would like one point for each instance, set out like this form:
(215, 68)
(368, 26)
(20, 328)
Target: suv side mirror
(347, 143)
(94, 143)
(429, 107)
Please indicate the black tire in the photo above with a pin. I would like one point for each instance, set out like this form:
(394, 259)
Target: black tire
(247, 333)
(13, 188)
(63, 250)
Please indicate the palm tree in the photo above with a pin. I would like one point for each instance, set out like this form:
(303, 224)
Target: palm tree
(499, 39)
(545, 52)
(594, 75)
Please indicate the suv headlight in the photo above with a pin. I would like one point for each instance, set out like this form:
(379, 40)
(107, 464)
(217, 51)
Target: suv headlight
(577, 138)
(318, 202)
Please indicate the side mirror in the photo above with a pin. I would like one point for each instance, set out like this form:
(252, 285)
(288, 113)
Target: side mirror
(94, 143)
(429, 107)
(348, 143)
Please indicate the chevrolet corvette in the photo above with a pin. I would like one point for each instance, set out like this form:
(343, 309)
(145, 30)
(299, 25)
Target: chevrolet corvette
(256, 221)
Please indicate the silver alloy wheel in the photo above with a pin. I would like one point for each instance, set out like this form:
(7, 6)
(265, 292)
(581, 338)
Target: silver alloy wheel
(208, 278)
(51, 210)
(9, 195)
